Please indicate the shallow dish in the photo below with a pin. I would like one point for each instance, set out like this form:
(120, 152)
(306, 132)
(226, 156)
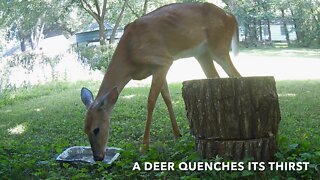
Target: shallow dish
(84, 154)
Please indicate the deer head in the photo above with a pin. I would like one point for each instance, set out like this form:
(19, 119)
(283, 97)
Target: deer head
(97, 120)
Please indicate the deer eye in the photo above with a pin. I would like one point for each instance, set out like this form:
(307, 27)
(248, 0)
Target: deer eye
(96, 131)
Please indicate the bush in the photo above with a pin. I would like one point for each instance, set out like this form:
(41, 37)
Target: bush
(96, 56)
(16, 68)
(32, 68)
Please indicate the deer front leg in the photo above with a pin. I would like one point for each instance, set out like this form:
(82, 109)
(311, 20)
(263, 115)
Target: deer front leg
(167, 99)
(158, 78)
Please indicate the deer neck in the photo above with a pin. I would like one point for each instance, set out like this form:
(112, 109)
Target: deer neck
(117, 75)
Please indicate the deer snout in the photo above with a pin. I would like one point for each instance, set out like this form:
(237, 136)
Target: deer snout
(98, 157)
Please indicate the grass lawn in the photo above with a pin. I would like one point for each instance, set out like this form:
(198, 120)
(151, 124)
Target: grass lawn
(38, 123)
(36, 128)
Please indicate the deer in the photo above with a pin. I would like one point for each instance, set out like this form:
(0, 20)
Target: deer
(148, 47)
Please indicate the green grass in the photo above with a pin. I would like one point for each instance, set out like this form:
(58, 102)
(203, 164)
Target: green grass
(305, 53)
(49, 118)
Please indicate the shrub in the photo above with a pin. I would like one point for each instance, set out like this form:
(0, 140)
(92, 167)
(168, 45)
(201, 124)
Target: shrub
(96, 56)
(32, 68)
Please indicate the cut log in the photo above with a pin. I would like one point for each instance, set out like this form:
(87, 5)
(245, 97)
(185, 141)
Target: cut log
(234, 117)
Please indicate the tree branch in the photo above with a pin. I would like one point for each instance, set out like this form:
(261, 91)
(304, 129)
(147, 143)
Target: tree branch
(104, 8)
(132, 11)
(118, 22)
(86, 6)
(145, 7)
(96, 3)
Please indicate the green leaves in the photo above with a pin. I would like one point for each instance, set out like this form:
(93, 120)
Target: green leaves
(302, 14)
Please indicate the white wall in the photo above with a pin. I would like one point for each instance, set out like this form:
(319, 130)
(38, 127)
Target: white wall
(276, 33)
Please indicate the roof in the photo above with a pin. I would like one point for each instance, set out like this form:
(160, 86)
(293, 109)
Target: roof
(95, 27)
(91, 33)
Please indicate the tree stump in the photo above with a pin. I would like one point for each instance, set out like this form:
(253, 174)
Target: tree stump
(233, 117)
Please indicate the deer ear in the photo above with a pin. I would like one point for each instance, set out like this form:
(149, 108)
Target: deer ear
(109, 99)
(86, 97)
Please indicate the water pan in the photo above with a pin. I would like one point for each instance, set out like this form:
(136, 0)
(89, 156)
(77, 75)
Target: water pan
(84, 154)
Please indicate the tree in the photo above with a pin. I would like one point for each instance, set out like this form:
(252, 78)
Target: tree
(149, 5)
(248, 16)
(98, 12)
(285, 28)
(112, 36)
(305, 15)
(30, 21)
(23, 25)
(252, 15)
(140, 12)
(266, 16)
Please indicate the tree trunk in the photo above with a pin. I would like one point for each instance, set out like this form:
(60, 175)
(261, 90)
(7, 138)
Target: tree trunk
(233, 117)
(260, 31)
(246, 34)
(285, 26)
(316, 23)
(296, 28)
(98, 14)
(102, 33)
(113, 34)
(37, 34)
(253, 37)
(254, 30)
(145, 7)
(269, 31)
(22, 45)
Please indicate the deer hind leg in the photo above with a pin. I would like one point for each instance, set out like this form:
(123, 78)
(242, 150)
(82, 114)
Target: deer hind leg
(167, 99)
(222, 57)
(158, 78)
(225, 62)
(206, 62)
(219, 45)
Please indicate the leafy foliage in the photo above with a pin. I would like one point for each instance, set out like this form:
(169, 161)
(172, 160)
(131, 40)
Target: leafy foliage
(303, 14)
(95, 57)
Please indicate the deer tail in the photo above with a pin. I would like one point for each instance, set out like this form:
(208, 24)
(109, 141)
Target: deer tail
(235, 41)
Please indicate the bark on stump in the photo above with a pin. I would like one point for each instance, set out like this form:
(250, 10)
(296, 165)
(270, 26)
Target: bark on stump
(233, 117)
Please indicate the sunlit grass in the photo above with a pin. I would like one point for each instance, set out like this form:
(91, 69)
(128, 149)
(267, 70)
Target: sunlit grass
(19, 129)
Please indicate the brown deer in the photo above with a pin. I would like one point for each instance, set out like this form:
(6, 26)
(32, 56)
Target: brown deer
(148, 47)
